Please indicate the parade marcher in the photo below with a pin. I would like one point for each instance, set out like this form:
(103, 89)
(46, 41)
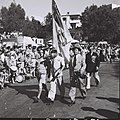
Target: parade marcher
(78, 75)
(41, 73)
(92, 66)
(56, 78)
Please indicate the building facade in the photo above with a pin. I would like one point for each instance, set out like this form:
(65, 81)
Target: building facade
(72, 20)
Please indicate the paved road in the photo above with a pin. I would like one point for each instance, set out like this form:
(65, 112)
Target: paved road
(17, 101)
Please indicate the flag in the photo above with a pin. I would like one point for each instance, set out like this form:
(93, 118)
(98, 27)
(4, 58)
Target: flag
(61, 35)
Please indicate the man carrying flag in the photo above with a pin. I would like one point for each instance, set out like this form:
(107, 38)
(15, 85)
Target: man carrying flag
(56, 78)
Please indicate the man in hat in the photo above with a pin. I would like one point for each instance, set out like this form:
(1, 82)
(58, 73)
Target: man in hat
(29, 48)
(56, 78)
(78, 74)
(93, 63)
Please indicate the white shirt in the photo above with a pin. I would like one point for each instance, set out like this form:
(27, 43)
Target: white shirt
(58, 62)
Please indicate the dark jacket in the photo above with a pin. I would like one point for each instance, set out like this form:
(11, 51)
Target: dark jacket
(90, 65)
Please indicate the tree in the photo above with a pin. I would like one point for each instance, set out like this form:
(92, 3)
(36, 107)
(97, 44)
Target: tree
(99, 23)
(28, 29)
(48, 25)
(4, 20)
(33, 28)
(13, 18)
(116, 17)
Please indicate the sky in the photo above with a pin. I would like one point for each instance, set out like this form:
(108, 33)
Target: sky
(40, 8)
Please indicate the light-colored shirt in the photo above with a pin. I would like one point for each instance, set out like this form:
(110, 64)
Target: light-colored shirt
(59, 63)
(80, 63)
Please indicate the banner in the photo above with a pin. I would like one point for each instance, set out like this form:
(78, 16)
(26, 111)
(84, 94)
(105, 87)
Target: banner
(61, 35)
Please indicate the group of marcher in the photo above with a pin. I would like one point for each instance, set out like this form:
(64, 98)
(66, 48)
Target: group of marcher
(109, 53)
(47, 65)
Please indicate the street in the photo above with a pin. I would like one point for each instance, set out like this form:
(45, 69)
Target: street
(17, 100)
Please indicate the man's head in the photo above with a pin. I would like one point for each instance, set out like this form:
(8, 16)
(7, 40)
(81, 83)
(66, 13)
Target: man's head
(77, 49)
(53, 53)
(71, 52)
(40, 51)
(30, 46)
(34, 48)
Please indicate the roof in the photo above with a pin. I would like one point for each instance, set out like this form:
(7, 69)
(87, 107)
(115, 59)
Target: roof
(71, 15)
(10, 40)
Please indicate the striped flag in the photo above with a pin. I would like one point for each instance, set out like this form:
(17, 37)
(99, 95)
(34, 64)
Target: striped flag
(61, 36)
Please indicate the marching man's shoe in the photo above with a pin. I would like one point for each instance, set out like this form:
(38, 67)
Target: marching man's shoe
(84, 97)
(36, 100)
(49, 101)
(97, 83)
(87, 88)
(71, 103)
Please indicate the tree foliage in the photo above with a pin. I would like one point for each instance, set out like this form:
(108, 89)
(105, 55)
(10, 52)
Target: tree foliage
(101, 23)
(12, 18)
(48, 25)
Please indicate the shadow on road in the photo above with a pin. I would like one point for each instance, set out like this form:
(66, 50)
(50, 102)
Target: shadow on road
(26, 90)
(62, 100)
(115, 100)
(31, 92)
(106, 113)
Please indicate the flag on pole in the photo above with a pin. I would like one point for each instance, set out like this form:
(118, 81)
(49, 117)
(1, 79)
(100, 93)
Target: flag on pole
(61, 36)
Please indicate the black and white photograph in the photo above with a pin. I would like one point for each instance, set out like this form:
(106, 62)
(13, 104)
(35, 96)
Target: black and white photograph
(59, 59)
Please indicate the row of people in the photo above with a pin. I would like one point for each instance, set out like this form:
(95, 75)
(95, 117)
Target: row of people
(82, 65)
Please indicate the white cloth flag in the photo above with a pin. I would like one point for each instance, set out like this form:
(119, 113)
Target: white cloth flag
(61, 35)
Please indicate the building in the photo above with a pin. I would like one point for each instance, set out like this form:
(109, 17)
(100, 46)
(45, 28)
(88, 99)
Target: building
(38, 41)
(115, 6)
(72, 20)
(10, 41)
